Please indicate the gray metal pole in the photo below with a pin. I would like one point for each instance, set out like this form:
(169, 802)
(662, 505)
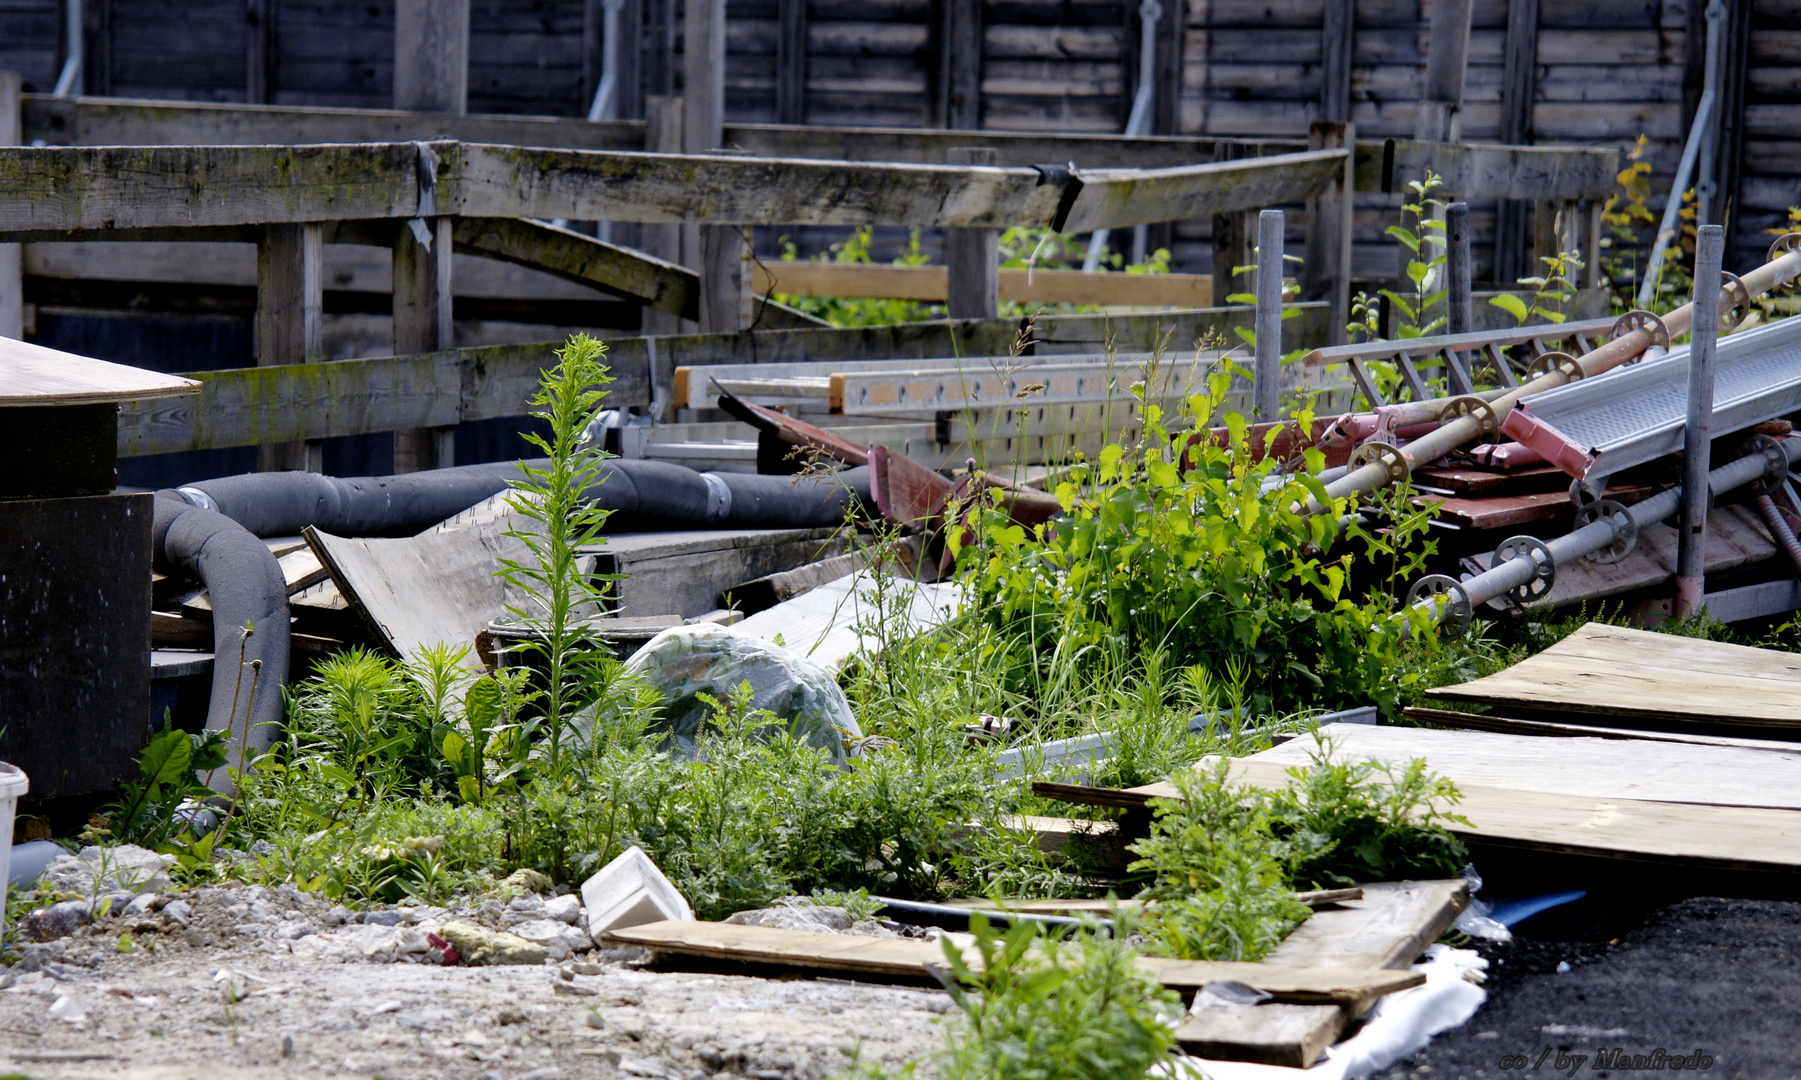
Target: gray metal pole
(1457, 262)
(1269, 314)
(1697, 436)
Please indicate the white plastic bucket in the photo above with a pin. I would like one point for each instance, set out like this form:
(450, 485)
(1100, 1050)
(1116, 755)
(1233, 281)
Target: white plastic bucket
(13, 786)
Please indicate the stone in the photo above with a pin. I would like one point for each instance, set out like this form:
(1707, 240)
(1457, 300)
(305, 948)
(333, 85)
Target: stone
(796, 913)
(142, 904)
(564, 908)
(69, 1009)
(57, 920)
(476, 946)
(125, 868)
(383, 918)
(558, 938)
(684, 662)
(179, 910)
(527, 880)
(631, 891)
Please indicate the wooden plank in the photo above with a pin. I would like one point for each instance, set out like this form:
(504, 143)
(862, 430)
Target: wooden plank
(972, 256)
(422, 324)
(931, 284)
(908, 958)
(583, 259)
(1594, 768)
(66, 188)
(1115, 198)
(686, 573)
(36, 375)
(1669, 834)
(791, 62)
(419, 591)
(1615, 671)
(1447, 718)
(431, 55)
(1388, 927)
(1492, 172)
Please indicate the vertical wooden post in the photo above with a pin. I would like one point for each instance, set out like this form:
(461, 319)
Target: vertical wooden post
(1519, 89)
(431, 55)
(973, 256)
(97, 50)
(1697, 438)
(1547, 233)
(659, 49)
(1592, 276)
(958, 94)
(1270, 240)
(289, 316)
(1232, 243)
(259, 51)
(791, 62)
(722, 252)
(1326, 271)
(1337, 37)
(725, 279)
(629, 59)
(422, 311)
(12, 270)
(1447, 52)
(662, 135)
(1458, 267)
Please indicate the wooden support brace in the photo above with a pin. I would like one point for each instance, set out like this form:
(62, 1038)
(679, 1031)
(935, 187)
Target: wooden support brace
(791, 62)
(1326, 271)
(726, 301)
(422, 324)
(431, 55)
(289, 318)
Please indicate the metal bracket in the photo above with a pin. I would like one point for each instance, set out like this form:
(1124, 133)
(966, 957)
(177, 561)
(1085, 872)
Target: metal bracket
(1456, 604)
(1383, 454)
(1642, 320)
(1784, 244)
(1731, 317)
(1775, 463)
(1487, 421)
(1563, 362)
(1544, 573)
(1625, 530)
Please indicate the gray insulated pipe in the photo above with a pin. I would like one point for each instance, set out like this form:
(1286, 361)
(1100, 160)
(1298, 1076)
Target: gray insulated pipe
(245, 585)
(642, 495)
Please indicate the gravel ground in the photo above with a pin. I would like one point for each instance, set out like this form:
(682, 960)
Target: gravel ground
(1712, 985)
(258, 982)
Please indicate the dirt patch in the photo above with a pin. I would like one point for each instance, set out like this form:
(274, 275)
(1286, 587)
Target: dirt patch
(1706, 982)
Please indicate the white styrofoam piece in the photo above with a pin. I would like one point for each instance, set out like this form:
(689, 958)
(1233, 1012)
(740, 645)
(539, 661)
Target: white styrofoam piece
(631, 891)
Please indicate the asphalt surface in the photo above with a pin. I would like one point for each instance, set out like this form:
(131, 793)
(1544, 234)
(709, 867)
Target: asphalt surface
(1702, 987)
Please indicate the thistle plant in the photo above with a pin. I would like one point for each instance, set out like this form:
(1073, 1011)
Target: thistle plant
(559, 526)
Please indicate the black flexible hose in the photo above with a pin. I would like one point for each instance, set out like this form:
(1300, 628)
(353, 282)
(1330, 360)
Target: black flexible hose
(245, 586)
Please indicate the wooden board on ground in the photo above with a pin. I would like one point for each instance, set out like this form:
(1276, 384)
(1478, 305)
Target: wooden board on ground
(1735, 538)
(1612, 671)
(909, 958)
(772, 589)
(1387, 928)
(419, 591)
(1447, 718)
(35, 375)
(1678, 834)
(685, 573)
(827, 625)
(1656, 772)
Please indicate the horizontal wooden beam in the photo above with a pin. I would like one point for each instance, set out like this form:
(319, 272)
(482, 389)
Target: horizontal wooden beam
(120, 122)
(1491, 172)
(1117, 198)
(292, 402)
(930, 284)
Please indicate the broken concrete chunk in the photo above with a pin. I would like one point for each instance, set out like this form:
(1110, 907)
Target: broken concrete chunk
(478, 947)
(631, 891)
(57, 920)
(796, 913)
(684, 662)
(558, 938)
(567, 908)
(125, 868)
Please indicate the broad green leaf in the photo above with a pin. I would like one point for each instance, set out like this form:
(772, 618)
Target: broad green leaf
(1511, 304)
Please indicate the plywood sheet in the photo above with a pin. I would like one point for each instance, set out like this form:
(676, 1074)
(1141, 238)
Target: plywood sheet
(1388, 927)
(1617, 671)
(35, 375)
(909, 958)
(1509, 725)
(1683, 834)
(1653, 771)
